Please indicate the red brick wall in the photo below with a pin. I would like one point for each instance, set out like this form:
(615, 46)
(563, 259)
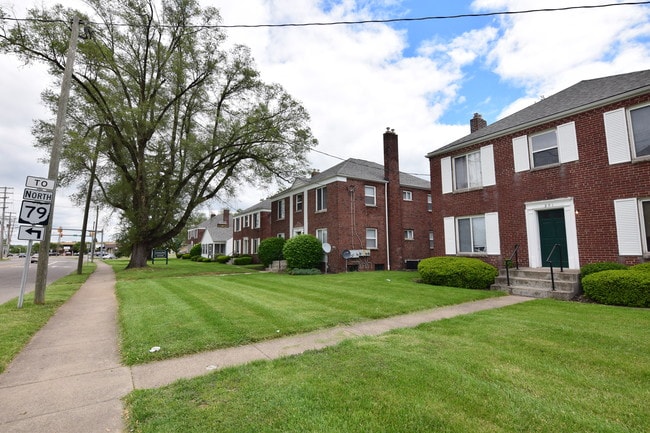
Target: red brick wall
(590, 181)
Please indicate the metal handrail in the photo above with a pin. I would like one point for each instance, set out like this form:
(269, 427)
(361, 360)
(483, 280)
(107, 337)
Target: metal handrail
(514, 254)
(550, 263)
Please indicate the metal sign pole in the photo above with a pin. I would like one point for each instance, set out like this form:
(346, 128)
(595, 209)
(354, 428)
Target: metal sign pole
(23, 280)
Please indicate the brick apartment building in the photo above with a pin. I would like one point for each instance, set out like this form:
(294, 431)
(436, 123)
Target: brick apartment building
(373, 217)
(251, 226)
(572, 169)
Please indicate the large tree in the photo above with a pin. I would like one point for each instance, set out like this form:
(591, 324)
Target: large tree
(172, 114)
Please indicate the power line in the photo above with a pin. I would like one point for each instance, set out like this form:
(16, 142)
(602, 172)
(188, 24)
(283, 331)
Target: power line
(370, 21)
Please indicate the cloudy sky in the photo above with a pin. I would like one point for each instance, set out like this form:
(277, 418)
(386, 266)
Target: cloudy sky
(423, 78)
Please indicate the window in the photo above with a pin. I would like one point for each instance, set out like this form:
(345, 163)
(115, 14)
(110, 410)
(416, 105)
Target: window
(321, 199)
(298, 199)
(255, 243)
(409, 235)
(407, 195)
(472, 170)
(281, 235)
(245, 246)
(281, 209)
(256, 220)
(471, 235)
(431, 240)
(429, 203)
(237, 246)
(632, 226)
(247, 221)
(237, 224)
(559, 145)
(467, 171)
(220, 248)
(371, 238)
(640, 126)
(645, 212)
(370, 195)
(321, 234)
(544, 149)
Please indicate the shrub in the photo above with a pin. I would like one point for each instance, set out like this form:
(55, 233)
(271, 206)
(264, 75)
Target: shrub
(592, 268)
(297, 271)
(222, 259)
(270, 249)
(303, 252)
(629, 288)
(243, 260)
(464, 272)
(643, 267)
(186, 256)
(196, 250)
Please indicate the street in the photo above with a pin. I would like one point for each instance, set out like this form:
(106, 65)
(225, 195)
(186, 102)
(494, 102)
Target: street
(11, 272)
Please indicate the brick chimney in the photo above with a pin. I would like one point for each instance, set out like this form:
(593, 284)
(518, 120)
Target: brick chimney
(225, 218)
(476, 123)
(393, 200)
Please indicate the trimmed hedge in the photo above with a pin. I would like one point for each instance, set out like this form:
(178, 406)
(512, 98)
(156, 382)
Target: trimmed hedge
(630, 288)
(643, 267)
(304, 272)
(195, 251)
(464, 272)
(243, 260)
(592, 268)
(222, 259)
(270, 249)
(303, 252)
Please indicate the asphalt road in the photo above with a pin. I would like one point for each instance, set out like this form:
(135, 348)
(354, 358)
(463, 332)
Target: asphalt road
(11, 273)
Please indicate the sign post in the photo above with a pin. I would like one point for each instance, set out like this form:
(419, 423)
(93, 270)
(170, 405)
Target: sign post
(35, 210)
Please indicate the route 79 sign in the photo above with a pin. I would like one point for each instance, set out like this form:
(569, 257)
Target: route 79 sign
(35, 213)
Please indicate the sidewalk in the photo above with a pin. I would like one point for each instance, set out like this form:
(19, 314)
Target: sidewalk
(69, 377)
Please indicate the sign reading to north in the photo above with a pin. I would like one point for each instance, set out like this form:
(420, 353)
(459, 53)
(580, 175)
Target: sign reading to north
(40, 182)
(29, 233)
(36, 195)
(35, 213)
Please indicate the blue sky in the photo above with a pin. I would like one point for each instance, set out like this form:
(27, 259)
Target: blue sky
(424, 79)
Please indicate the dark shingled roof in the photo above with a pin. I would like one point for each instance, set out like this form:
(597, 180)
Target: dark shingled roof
(579, 97)
(260, 206)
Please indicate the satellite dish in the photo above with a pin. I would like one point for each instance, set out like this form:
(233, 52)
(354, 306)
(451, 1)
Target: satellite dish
(346, 254)
(327, 247)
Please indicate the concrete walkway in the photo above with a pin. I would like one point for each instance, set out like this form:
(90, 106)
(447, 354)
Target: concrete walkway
(69, 377)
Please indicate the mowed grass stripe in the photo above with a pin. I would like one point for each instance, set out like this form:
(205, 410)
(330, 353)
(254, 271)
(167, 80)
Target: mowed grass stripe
(191, 314)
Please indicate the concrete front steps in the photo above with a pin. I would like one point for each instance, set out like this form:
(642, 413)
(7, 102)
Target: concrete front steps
(536, 283)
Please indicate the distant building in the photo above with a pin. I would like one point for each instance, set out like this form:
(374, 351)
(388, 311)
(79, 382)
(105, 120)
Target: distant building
(214, 235)
(251, 226)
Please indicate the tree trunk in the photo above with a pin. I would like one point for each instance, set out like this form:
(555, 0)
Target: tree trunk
(139, 255)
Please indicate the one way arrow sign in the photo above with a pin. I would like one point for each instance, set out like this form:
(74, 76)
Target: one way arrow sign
(30, 233)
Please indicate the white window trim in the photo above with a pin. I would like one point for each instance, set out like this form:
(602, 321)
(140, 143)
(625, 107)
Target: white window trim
(567, 145)
(409, 235)
(492, 238)
(373, 195)
(407, 195)
(376, 238)
(488, 172)
(318, 202)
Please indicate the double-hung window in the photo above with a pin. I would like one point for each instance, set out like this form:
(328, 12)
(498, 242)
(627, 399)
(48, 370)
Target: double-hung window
(321, 235)
(298, 198)
(467, 171)
(407, 195)
(256, 220)
(409, 235)
(543, 149)
(471, 234)
(281, 209)
(553, 146)
(640, 126)
(371, 238)
(633, 226)
(321, 199)
(370, 194)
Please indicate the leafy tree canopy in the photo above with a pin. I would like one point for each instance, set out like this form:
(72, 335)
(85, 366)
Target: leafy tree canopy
(172, 114)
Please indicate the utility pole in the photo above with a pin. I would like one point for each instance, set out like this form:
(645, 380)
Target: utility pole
(53, 173)
(5, 192)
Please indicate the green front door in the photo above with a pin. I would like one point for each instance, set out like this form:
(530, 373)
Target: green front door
(552, 231)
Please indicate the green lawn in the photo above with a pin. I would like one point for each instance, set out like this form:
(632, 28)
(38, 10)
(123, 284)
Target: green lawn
(17, 326)
(542, 366)
(185, 314)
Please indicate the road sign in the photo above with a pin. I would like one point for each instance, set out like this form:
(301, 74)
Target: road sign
(35, 213)
(40, 182)
(37, 195)
(29, 233)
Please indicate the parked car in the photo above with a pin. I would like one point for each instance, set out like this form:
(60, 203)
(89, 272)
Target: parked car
(22, 255)
(107, 256)
(34, 258)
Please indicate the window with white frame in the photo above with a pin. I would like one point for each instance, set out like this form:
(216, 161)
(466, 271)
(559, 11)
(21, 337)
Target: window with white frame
(321, 199)
(409, 235)
(256, 220)
(237, 246)
(321, 234)
(429, 203)
(543, 149)
(640, 128)
(407, 195)
(472, 170)
(281, 235)
(247, 220)
(370, 193)
(220, 248)
(471, 234)
(371, 238)
(298, 199)
(431, 239)
(237, 224)
(281, 209)
(467, 171)
(245, 246)
(254, 244)
(558, 145)
(477, 234)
